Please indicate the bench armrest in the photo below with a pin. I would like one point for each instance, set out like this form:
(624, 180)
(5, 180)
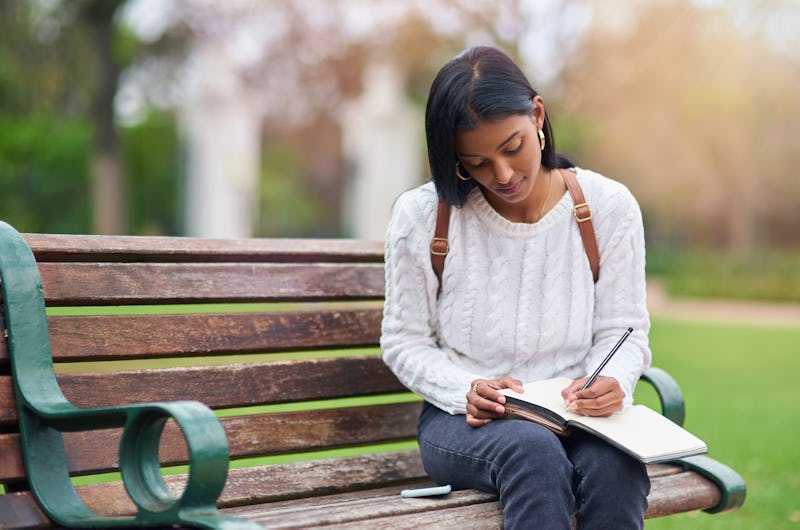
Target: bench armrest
(731, 485)
(48, 475)
(44, 413)
(669, 393)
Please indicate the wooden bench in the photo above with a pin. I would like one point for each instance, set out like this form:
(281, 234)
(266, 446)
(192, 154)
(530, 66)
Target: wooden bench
(280, 338)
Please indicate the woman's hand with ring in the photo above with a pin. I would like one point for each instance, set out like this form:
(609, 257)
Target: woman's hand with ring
(485, 403)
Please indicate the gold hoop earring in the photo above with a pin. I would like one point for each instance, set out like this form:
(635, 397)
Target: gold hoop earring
(541, 139)
(458, 172)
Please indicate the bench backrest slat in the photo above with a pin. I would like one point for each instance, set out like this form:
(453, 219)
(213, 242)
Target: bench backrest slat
(228, 386)
(88, 248)
(68, 284)
(8, 411)
(99, 337)
(235, 385)
(248, 436)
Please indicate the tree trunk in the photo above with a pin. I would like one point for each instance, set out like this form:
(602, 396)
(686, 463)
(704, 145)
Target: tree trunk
(109, 208)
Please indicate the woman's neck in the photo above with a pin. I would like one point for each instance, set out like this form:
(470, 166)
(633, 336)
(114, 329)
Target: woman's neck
(547, 191)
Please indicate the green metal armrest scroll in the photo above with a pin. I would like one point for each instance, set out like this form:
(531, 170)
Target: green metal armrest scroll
(669, 393)
(44, 414)
(731, 484)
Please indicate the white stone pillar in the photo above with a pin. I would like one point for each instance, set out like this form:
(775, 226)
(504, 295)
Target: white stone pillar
(221, 129)
(381, 135)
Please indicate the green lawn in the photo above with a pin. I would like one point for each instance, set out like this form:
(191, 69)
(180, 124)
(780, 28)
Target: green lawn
(741, 391)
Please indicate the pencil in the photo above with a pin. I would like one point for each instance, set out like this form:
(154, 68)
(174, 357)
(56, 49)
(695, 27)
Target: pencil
(608, 358)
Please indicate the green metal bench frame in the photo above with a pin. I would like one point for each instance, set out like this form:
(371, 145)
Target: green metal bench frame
(44, 413)
(731, 485)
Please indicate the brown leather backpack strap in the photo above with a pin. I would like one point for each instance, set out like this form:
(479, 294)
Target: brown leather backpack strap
(439, 244)
(583, 214)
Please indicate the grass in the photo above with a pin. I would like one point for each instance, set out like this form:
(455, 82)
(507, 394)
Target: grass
(741, 397)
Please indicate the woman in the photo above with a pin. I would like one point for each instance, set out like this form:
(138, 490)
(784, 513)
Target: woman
(517, 303)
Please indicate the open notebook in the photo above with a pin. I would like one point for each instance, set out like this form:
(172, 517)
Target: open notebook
(637, 430)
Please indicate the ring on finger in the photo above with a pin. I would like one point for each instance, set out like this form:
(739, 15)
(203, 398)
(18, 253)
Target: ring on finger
(475, 388)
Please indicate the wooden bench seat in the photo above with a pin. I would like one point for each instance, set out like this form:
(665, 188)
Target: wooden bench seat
(280, 339)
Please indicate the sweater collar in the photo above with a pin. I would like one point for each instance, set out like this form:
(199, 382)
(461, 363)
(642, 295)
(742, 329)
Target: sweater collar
(496, 222)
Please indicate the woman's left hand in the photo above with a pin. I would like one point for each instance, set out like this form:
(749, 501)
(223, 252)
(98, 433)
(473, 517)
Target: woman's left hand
(484, 402)
(603, 398)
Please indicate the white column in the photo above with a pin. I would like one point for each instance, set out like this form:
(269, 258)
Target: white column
(381, 135)
(221, 129)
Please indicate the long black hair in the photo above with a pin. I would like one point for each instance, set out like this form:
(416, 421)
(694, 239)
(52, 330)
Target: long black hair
(480, 84)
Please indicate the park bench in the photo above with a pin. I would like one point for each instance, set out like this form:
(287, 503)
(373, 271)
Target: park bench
(280, 339)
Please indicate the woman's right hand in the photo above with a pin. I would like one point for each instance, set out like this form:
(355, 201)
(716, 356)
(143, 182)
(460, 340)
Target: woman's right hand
(485, 403)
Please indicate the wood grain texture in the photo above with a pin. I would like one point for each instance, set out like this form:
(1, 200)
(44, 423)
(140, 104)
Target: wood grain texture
(355, 507)
(11, 466)
(235, 385)
(259, 484)
(98, 248)
(311, 485)
(483, 516)
(384, 508)
(8, 405)
(118, 337)
(248, 436)
(681, 492)
(167, 283)
(309, 494)
(223, 386)
(20, 510)
(94, 338)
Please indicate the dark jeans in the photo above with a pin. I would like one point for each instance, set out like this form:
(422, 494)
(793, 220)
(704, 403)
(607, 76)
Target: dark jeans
(543, 480)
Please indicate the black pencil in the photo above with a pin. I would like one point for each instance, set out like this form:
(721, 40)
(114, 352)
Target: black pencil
(608, 358)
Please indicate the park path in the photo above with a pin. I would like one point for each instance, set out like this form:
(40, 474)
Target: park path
(724, 311)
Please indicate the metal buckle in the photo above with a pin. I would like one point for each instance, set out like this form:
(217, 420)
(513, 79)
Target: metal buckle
(436, 252)
(577, 215)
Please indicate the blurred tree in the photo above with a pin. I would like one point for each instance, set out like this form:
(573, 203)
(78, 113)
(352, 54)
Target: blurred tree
(151, 158)
(43, 168)
(44, 139)
(698, 115)
(302, 61)
(64, 161)
(108, 177)
(54, 96)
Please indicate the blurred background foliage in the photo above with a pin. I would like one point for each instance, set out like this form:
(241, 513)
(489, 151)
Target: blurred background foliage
(692, 104)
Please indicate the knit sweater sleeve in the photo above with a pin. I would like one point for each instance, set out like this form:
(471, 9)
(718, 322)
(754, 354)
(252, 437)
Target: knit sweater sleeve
(408, 339)
(620, 292)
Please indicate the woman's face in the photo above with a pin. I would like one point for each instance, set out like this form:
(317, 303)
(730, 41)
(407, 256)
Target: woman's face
(504, 157)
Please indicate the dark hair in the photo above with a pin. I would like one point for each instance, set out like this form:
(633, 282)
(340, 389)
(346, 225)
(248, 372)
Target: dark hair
(480, 84)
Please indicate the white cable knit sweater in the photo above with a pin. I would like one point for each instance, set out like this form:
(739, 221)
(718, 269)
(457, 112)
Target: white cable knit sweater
(517, 298)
